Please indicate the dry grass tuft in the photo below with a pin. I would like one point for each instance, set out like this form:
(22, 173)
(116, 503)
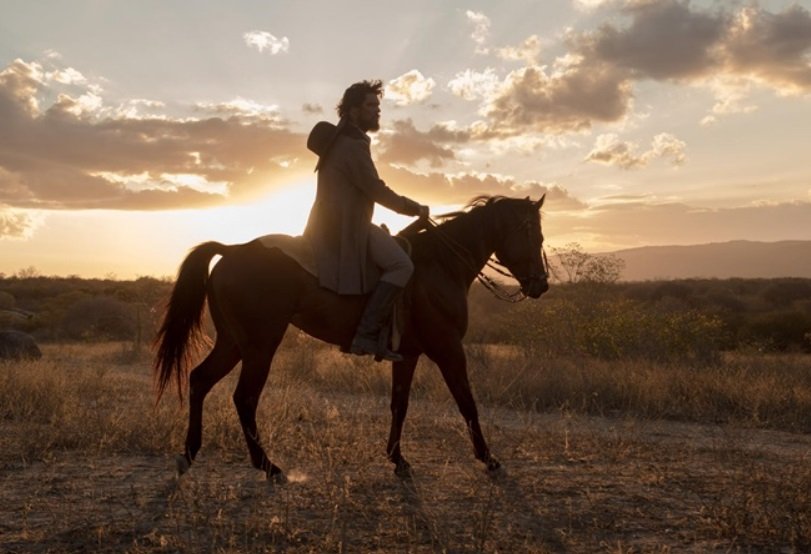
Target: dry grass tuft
(765, 510)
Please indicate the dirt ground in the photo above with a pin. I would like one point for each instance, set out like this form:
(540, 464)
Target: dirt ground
(569, 484)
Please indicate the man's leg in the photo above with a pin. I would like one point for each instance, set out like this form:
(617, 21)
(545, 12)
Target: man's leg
(396, 268)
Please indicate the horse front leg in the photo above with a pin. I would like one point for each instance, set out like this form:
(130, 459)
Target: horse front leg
(452, 362)
(402, 375)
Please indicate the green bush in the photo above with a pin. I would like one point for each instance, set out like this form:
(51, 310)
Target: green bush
(783, 330)
(594, 323)
(99, 318)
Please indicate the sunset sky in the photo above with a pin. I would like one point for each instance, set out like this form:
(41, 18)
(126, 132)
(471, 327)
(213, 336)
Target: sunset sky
(131, 131)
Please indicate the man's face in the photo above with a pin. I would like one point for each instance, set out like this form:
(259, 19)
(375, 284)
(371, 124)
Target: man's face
(367, 115)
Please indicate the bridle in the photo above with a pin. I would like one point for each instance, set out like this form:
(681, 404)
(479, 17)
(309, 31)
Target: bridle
(496, 265)
(495, 288)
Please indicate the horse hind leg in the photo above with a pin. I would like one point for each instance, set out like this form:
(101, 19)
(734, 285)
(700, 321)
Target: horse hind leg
(219, 362)
(255, 368)
(402, 375)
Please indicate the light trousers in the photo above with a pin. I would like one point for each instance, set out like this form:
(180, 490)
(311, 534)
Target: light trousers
(395, 265)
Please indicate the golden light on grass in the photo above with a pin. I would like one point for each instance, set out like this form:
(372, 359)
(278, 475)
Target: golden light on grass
(87, 457)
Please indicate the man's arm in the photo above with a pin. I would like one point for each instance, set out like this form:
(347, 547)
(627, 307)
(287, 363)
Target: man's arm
(364, 176)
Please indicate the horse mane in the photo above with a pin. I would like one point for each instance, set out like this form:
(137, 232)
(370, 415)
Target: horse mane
(455, 225)
(476, 202)
(415, 230)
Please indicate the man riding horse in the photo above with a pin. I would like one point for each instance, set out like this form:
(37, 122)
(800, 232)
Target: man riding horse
(255, 292)
(340, 227)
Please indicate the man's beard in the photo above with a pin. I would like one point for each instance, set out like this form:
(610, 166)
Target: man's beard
(371, 124)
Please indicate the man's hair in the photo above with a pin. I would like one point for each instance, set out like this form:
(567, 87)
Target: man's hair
(355, 95)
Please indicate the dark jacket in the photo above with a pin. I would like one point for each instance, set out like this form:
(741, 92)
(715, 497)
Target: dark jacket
(339, 222)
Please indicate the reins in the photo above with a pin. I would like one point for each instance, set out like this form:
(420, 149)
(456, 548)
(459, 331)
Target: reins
(495, 288)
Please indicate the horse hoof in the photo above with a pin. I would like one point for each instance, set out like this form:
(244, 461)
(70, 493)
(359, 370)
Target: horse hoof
(402, 469)
(493, 465)
(276, 476)
(182, 465)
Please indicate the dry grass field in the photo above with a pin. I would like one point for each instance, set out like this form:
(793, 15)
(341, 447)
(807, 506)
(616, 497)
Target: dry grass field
(598, 457)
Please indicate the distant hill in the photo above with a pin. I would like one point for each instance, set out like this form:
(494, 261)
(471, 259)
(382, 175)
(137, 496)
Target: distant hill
(741, 258)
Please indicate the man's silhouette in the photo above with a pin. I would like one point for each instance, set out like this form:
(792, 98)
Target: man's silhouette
(340, 224)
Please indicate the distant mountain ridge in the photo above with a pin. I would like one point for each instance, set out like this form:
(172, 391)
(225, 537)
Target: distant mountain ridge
(721, 260)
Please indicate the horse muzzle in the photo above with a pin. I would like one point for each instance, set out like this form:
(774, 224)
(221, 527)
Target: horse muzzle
(534, 287)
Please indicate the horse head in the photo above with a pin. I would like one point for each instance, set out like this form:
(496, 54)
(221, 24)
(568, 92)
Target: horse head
(520, 248)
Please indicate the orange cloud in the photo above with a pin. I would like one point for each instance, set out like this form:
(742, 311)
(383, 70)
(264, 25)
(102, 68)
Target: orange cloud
(14, 223)
(528, 51)
(443, 188)
(409, 88)
(610, 150)
(62, 157)
(641, 223)
(470, 84)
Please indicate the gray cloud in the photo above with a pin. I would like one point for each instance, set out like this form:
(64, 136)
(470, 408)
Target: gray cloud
(443, 132)
(406, 145)
(310, 108)
(669, 39)
(568, 99)
(773, 47)
(665, 40)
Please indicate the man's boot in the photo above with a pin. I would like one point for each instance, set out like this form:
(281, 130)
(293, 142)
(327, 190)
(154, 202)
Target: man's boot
(376, 315)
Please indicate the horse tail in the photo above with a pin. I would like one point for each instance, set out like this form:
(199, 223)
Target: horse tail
(180, 333)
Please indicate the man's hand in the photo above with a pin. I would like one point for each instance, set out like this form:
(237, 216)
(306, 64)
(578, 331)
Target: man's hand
(425, 212)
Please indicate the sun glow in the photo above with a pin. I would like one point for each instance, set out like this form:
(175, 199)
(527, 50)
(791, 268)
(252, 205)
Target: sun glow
(130, 244)
(284, 211)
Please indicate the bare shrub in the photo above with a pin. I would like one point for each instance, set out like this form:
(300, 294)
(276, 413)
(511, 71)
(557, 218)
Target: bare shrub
(572, 264)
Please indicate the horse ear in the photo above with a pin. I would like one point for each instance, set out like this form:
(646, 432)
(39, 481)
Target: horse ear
(539, 203)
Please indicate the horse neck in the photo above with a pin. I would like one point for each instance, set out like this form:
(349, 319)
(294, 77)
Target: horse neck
(474, 233)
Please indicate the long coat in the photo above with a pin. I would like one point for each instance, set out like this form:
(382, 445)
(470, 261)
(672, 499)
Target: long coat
(340, 219)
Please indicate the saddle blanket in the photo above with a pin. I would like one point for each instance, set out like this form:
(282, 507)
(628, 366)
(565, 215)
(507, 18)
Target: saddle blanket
(298, 248)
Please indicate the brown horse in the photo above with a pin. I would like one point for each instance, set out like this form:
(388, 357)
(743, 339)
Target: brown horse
(255, 292)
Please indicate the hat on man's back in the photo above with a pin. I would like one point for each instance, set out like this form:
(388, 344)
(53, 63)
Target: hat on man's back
(322, 137)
